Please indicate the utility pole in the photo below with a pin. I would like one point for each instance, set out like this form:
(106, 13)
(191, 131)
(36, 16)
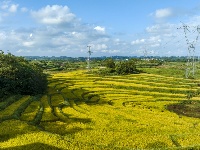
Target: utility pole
(89, 54)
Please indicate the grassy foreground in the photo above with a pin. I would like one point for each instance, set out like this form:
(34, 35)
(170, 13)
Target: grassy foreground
(84, 111)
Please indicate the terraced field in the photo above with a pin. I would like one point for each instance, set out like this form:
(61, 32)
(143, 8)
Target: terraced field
(84, 111)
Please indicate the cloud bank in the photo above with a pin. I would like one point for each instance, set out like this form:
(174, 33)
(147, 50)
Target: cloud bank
(56, 31)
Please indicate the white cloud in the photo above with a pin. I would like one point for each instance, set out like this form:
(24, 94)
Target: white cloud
(110, 51)
(61, 33)
(138, 41)
(153, 28)
(24, 9)
(165, 28)
(155, 45)
(2, 36)
(113, 51)
(19, 51)
(13, 8)
(7, 9)
(163, 13)
(78, 35)
(100, 29)
(8, 6)
(54, 15)
(4, 6)
(154, 39)
(117, 40)
(28, 43)
(97, 47)
(23, 51)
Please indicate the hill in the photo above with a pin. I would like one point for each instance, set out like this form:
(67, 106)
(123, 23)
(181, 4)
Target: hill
(85, 111)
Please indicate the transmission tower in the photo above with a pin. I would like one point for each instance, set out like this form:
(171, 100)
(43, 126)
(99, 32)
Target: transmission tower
(191, 64)
(145, 53)
(89, 54)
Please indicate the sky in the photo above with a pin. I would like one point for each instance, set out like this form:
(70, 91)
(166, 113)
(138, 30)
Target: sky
(110, 27)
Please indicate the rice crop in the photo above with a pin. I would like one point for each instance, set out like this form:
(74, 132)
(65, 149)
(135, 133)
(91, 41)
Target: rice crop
(83, 111)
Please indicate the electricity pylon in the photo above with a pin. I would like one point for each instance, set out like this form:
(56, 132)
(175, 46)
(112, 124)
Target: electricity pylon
(191, 64)
(89, 54)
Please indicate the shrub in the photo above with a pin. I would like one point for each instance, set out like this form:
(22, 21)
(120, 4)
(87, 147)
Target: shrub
(126, 67)
(119, 68)
(109, 63)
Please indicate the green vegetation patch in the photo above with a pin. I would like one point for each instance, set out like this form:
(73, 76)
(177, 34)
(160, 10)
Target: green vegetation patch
(190, 108)
(19, 76)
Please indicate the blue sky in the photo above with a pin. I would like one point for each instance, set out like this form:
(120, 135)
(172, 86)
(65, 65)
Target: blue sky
(110, 27)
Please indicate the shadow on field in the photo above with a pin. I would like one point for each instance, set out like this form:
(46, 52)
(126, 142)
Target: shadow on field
(77, 95)
(62, 128)
(34, 146)
(187, 108)
(4, 137)
(48, 114)
(157, 145)
(63, 95)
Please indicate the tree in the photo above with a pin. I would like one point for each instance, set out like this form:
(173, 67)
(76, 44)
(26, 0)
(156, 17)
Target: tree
(19, 76)
(126, 67)
(109, 63)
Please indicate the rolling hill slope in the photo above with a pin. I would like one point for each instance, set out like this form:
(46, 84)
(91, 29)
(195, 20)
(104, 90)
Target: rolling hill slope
(85, 111)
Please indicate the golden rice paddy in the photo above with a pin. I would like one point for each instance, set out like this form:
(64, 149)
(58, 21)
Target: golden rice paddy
(85, 111)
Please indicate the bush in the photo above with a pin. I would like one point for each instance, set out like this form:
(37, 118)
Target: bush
(109, 63)
(126, 67)
(19, 76)
(119, 68)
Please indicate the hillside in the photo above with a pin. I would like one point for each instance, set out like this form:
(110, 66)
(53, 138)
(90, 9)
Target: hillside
(85, 111)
